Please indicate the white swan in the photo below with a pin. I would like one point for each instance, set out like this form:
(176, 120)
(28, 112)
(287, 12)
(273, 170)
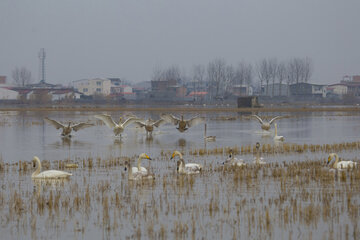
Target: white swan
(50, 174)
(208, 138)
(118, 128)
(188, 168)
(66, 130)
(233, 161)
(149, 125)
(183, 125)
(333, 162)
(139, 168)
(257, 159)
(264, 124)
(276, 137)
(137, 175)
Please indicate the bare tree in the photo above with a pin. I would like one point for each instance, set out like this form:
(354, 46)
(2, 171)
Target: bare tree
(21, 76)
(199, 75)
(216, 76)
(307, 69)
(248, 76)
(229, 78)
(272, 68)
(281, 75)
(264, 74)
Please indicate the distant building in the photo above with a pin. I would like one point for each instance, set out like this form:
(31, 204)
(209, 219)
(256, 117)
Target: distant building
(338, 89)
(276, 90)
(8, 94)
(241, 90)
(95, 86)
(2, 79)
(308, 90)
(353, 84)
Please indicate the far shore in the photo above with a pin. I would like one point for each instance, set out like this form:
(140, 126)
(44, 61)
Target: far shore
(181, 108)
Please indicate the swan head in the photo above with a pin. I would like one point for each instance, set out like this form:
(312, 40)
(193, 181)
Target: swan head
(330, 158)
(35, 160)
(127, 165)
(176, 153)
(144, 156)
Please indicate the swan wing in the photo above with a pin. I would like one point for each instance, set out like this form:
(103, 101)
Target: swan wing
(194, 121)
(53, 174)
(275, 118)
(159, 122)
(346, 164)
(139, 124)
(193, 167)
(106, 119)
(81, 125)
(55, 123)
(170, 118)
(129, 121)
(142, 170)
(258, 118)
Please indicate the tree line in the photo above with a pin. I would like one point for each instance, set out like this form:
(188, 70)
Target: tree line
(220, 77)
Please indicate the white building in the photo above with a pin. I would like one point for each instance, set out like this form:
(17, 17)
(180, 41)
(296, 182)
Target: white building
(93, 86)
(338, 89)
(8, 94)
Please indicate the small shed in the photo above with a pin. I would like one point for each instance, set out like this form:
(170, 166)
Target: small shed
(248, 102)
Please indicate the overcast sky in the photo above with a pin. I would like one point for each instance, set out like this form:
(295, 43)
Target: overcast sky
(116, 38)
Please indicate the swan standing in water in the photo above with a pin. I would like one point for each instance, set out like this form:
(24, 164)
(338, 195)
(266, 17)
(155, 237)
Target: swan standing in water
(118, 128)
(66, 130)
(258, 160)
(149, 125)
(182, 124)
(139, 168)
(333, 162)
(264, 124)
(233, 161)
(188, 168)
(276, 137)
(49, 174)
(208, 138)
(137, 175)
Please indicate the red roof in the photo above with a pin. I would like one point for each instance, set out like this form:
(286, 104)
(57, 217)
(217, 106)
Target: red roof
(198, 93)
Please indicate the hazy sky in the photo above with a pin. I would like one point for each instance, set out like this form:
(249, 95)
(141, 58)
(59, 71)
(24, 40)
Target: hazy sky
(116, 38)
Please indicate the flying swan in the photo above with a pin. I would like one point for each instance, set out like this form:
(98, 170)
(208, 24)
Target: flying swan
(182, 125)
(118, 128)
(49, 174)
(66, 130)
(149, 125)
(264, 124)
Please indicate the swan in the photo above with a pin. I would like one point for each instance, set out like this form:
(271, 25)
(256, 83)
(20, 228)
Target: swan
(139, 168)
(264, 124)
(339, 165)
(276, 137)
(188, 168)
(208, 138)
(47, 174)
(233, 161)
(137, 175)
(66, 130)
(149, 125)
(117, 128)
(182, 124)
(257, 159)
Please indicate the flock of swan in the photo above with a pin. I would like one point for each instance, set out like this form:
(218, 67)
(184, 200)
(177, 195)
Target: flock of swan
(139, 172)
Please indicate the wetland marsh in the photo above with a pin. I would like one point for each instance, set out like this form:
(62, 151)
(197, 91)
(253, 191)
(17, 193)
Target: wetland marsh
(293, 196)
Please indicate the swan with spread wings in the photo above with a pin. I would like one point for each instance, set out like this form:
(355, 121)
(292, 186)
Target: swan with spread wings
(66, 129)
(265, 125)
(117, 128)
(182, 124)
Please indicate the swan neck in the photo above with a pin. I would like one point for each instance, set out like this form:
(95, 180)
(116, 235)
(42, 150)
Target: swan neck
(38, 168)
(139, 163)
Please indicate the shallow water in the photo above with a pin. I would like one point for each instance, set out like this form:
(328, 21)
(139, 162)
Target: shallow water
(99, 202)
